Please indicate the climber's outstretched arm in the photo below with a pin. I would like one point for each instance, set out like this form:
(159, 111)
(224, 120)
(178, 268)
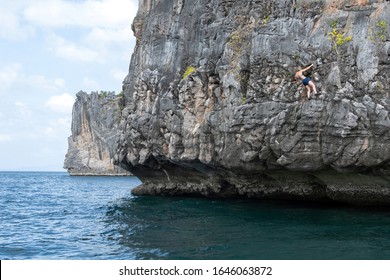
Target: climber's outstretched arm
(307, 68)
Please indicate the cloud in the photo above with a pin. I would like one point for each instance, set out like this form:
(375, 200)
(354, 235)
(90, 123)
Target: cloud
(105, 36)
(59, 82)
(5, 138)
(23, 112)
(41, 81)
(118, 75)
(9, 74)
(90, 84)
(105, 26)
(58, 128)
(96, 30)
(11, 21)
(89, 13)
(61, 103)
(105, 22)
(12, 75)
(69, 50)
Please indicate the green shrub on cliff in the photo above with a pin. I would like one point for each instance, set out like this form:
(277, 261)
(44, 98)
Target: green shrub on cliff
(102, 94)
(337, 37)
(382, 30)
(189, 71)
(378, 34)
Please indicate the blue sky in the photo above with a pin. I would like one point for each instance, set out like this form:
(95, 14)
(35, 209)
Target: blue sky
(51, 49)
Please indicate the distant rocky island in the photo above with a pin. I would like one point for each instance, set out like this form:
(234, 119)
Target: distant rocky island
(210, 106)
(92, 145)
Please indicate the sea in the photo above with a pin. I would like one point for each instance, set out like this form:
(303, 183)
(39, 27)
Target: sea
(51, 215)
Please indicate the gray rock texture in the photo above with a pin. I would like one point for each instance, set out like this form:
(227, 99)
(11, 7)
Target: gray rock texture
(211, 107)
(95, 120)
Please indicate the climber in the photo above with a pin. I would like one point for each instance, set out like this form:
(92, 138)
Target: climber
(306, 81)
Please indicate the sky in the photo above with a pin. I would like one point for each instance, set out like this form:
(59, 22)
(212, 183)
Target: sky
(49, 51)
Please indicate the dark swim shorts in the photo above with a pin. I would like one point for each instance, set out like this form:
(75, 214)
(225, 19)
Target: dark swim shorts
(306, 81)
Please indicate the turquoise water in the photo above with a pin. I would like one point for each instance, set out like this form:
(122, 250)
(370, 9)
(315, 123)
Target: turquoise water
(55, 216)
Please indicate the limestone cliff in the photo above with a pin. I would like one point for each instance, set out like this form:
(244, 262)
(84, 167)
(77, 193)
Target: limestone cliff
(95, 121)
(211, 107)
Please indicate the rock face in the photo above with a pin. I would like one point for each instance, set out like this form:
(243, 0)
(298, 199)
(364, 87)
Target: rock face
(95, 120)
(211, 107)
